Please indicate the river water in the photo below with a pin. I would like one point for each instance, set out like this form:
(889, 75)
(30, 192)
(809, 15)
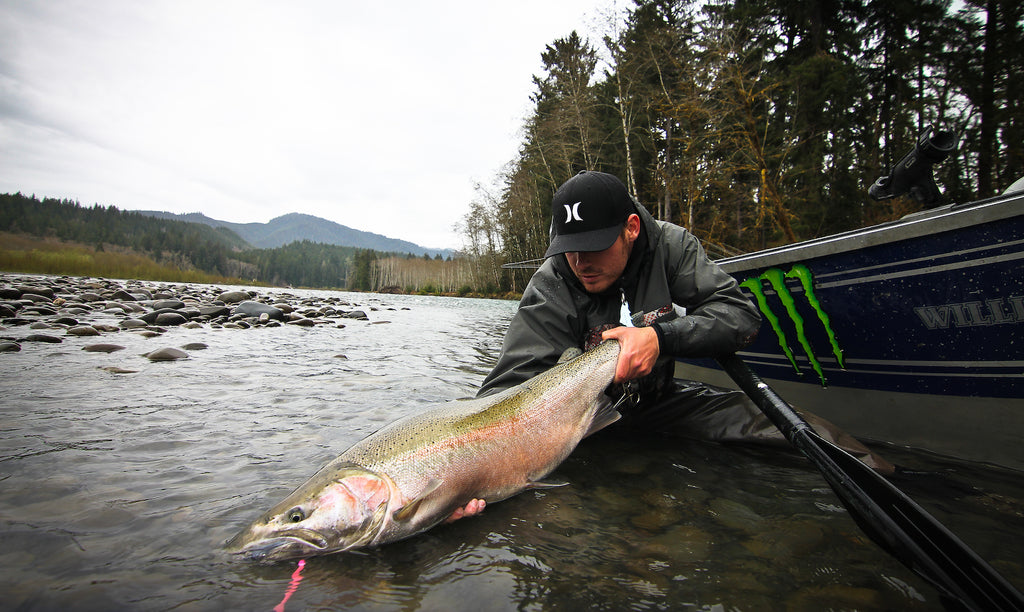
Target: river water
(117, 491)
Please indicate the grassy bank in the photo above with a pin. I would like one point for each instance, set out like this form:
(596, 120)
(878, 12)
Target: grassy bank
(30, 255)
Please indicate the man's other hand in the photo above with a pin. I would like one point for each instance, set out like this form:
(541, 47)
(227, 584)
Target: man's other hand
(474, 507)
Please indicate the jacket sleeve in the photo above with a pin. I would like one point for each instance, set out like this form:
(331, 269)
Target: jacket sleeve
(719, 318)
(540, 331)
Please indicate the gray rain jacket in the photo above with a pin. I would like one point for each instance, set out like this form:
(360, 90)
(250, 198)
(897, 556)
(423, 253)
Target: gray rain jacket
(667, 267)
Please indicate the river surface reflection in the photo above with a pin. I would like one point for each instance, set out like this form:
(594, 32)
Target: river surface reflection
(118, 490)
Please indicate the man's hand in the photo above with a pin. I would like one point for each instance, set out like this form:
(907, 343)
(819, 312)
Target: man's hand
(638, 350)
(474, 507)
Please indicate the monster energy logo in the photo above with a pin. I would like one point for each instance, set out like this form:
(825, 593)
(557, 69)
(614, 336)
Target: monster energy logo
(777, 279)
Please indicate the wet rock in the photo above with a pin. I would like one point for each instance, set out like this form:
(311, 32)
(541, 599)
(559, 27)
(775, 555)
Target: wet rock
(632, 464)
(654, 519)
(171, 304)
(303, 322)
(170, 318)
(786, 540)
(115, 308)
(123, 296)
(132, 324)
(358, 315)
(43, 338)
(35, 298)
(103, 348)
(256, 309)
(166, 354)
(117, 370)
(736, 515)
(195, 346)
(150, 317)
(39, 310)
(9, 347)
(834, 597)
(233, 297)
(214, 311)
(36, 290)
(83, 330)
(684, 543)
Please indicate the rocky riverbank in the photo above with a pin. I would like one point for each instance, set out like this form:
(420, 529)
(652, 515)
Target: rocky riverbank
(41, 309)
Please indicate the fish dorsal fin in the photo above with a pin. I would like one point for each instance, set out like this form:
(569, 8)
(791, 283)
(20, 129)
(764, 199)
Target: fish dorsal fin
(407, 511)
(569, 354)
(605, 415)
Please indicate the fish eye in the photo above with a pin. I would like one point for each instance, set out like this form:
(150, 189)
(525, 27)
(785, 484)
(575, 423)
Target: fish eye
(296, 515)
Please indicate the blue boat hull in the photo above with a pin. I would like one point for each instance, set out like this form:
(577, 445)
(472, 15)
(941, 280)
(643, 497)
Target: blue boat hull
(910, 332)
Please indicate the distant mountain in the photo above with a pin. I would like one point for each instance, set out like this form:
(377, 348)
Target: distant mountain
(296, 227)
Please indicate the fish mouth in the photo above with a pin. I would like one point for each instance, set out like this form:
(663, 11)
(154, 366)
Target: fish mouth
(289, 544)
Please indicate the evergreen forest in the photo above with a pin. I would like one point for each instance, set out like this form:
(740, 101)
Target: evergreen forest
(752, 123)
(755, 123)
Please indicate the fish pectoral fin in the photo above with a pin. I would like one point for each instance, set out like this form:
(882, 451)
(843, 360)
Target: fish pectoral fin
(569, 354)
(407, 511)
(546, 484)
(605, 415)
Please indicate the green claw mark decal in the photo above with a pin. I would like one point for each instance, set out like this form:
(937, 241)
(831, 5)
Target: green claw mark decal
(777, 280)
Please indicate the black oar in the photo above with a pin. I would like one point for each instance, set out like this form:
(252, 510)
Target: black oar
(888, 516)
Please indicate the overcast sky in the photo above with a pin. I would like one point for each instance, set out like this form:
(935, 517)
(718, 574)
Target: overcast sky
(377, 115)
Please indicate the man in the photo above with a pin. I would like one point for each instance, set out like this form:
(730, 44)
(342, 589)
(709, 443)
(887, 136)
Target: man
(615, 273)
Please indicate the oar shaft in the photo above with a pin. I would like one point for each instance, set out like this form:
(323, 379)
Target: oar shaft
(887, 515)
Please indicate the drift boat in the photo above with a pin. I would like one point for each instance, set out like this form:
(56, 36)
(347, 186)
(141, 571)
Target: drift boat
(909, 332)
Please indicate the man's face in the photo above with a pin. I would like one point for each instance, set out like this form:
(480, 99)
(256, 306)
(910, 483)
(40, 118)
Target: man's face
(598, 270)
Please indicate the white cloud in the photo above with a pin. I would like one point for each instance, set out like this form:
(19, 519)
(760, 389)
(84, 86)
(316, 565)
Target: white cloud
(379, 116)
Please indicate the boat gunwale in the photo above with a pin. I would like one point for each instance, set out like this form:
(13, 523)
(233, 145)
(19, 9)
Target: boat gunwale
(923, 223)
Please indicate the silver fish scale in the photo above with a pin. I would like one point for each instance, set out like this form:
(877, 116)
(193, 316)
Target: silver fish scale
(459, 418)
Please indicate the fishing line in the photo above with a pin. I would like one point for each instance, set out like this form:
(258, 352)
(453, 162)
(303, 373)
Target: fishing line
(292, 586)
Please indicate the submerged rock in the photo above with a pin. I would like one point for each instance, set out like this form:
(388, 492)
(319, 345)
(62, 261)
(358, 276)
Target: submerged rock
(166, 354)
(103, 348)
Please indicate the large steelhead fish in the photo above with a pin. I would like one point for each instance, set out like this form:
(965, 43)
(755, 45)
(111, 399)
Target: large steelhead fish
(412, 474)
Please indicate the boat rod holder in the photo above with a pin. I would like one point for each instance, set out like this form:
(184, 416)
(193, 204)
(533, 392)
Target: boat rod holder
(913, 173)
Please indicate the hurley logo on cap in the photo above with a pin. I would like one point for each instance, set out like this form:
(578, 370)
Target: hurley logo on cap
(596, 205)
(572, 213)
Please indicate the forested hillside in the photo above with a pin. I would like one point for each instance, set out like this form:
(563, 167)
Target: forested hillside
(296, 227)
(185, 244)
(757, 123)
(217, 251)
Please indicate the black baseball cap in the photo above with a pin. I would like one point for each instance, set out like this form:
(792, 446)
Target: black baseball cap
(588, 212)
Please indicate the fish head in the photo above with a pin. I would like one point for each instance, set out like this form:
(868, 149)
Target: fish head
(342, 506)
